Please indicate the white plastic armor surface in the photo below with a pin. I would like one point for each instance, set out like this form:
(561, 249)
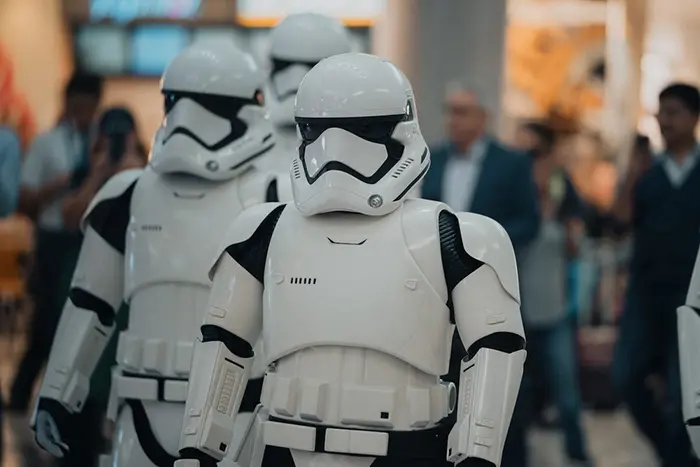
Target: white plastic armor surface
(489, 385)
(279, 162)
(297, 43)
(219, 376)
(81, 337)
(177, 224)
(689, 350)
(358, 293)
(343, 166)
(113, 188)
(216, 124)
(279, 159)
(486, 302)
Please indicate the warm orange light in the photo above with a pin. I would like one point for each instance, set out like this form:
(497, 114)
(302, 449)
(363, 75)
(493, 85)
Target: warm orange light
(271, 21)
(540, 61)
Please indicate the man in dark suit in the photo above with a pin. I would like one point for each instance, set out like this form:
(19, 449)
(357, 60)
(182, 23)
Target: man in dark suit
(472, 172)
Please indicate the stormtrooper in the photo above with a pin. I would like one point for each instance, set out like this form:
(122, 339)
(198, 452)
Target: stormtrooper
(357, 292)
(298, 43)
(689, 343)
(149, 239)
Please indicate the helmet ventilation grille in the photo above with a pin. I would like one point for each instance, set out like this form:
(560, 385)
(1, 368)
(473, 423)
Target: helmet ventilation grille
(303, 280)
(404, 165)
(296, 170)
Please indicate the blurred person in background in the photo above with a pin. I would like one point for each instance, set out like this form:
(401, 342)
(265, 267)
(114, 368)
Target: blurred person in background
(45, 180)
(660, 203)
(115, 148)
(473, 172)
(549, 325)
(10, 162)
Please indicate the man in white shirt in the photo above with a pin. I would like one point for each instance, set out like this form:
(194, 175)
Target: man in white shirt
(45, 180)
(473, 172)
(660, 205)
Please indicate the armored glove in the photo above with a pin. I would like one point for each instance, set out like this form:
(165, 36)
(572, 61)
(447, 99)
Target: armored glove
(52, 427)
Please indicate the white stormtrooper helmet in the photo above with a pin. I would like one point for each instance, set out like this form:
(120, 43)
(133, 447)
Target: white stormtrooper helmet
(361, 147)
(216, 124)
(299, 42)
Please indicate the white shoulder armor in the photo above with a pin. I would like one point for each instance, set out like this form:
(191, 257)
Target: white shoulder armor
(487, 241)
(254, 187)
(115, 187)
(420, 220)
(243, 227)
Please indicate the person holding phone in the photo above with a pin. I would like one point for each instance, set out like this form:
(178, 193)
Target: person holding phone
(116, 148)
(659, 204)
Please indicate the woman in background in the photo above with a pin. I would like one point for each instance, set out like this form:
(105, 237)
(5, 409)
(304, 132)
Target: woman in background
(549, 325)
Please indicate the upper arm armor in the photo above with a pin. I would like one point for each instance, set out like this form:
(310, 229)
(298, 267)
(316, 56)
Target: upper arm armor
(485, 241)
(249, 237)
(108, 212)
(485, 306)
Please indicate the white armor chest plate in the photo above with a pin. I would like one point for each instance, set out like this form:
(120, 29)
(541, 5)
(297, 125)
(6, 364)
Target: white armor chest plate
(348, 280)
(176, 227)
(174, 235)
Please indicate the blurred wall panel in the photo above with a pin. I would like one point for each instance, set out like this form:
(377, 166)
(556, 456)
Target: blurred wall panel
(439, 43)
(34, 36)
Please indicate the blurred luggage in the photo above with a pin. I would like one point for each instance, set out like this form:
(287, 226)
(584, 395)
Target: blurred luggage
(595, 348)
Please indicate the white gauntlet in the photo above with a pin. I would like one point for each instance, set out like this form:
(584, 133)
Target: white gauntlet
(488, 388)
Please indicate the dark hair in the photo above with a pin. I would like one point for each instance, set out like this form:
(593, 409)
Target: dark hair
(84, 83)
(116, 120)
(115, 123)
(686, 94)
(544, 132)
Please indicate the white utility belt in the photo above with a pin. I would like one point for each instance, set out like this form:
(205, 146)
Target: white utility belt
(149, 388)
(429, 444)
(312, 401)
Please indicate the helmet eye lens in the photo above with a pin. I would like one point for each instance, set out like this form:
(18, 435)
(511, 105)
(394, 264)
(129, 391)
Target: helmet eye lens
(372, 129)
(226, 107)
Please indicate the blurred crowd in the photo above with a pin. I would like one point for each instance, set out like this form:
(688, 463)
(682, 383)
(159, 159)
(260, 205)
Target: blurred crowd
(559, 233)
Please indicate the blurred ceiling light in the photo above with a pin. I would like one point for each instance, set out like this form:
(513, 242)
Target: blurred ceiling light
(124, 11)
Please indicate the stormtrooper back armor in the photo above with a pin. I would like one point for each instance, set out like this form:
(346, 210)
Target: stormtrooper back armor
(298, 43)
(150, 236)
(357, 292)
(689, 350)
